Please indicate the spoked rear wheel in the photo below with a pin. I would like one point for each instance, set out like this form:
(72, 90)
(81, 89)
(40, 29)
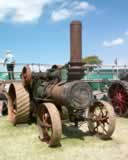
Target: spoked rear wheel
(49, 124)
(118, 94)
(101, 119)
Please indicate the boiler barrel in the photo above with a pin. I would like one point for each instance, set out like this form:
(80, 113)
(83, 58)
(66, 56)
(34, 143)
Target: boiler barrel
(77, 94)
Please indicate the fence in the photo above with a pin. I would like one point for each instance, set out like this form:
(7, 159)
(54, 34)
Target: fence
(18, 69)
(96, 75)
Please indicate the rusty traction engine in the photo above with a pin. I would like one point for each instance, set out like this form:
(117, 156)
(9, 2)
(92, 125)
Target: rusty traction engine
(118, 95)
(46, 97)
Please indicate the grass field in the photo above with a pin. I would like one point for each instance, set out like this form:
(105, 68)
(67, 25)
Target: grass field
(22, 143)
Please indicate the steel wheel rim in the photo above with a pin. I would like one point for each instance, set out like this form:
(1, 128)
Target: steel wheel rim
(100, 119)
(119, 99)
(49, 124)
(12, 109)
(18, 104)
(45, 122)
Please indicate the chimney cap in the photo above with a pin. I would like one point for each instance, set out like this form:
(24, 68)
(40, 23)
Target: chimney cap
(76, 23)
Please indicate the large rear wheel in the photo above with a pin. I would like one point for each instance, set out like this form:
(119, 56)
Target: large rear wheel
(18, 104)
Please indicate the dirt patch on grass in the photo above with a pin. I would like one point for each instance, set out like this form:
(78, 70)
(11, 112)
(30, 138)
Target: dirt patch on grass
(22, 143)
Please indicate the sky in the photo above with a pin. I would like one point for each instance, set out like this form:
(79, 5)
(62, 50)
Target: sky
(37, 31)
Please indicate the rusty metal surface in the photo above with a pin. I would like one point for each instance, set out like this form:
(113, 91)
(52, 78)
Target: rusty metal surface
(77, 94)
(76, 41)
(18, 104)
(118, 96)
(76, 70)
(102, 119)
(26, 75)
(49, 124)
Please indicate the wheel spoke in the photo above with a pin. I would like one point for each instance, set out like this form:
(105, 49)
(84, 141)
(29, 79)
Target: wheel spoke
(50, 127)
(103, 122)
(118, 93)
(103, 127)
(96, 127)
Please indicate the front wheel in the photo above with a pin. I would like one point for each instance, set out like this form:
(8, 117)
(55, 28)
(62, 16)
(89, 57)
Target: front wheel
(101, 119)
(49, 124)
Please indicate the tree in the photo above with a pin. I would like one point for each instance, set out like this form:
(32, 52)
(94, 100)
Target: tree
(92, 60)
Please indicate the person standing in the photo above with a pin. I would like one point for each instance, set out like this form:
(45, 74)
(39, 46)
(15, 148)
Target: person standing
(10, 63)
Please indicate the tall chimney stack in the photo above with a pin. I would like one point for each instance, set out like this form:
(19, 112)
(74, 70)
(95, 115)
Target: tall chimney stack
(76, 70)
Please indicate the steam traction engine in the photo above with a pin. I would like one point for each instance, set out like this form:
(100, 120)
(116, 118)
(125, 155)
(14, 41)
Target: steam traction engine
(118, 95)
(45, 95)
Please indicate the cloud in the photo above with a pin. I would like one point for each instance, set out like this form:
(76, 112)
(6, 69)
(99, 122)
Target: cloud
(71, 9)
(126, 33)
(113, 43)
(24, 11)
(60, 15)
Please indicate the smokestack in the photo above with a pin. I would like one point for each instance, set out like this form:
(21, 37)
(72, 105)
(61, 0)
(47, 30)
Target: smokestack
(75, 41)
(76, 70)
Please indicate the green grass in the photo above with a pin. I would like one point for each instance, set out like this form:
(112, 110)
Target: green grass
(22, 143)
